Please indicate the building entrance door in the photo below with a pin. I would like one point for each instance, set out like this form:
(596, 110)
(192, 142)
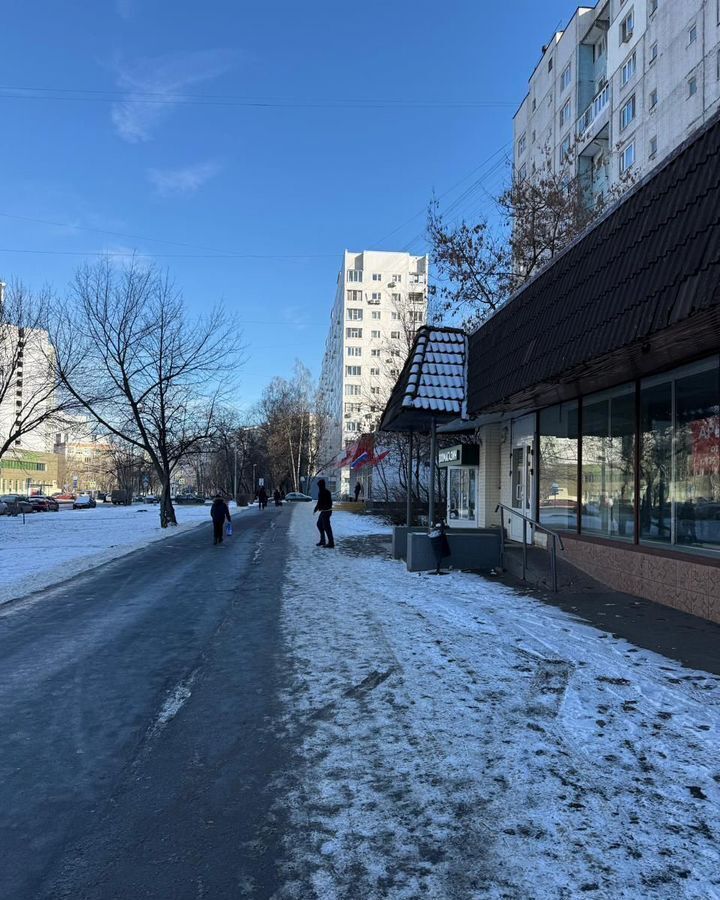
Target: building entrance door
(522, 475)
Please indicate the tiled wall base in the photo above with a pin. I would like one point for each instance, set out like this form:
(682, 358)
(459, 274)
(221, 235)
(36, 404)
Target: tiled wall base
(686, 585)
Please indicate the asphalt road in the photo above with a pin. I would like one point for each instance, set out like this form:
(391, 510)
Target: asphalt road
(138, 753)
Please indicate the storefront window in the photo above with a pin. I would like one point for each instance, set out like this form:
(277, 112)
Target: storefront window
(656, 462)
(696, 493)
(558, 466)
(463, 492)
(608, 464)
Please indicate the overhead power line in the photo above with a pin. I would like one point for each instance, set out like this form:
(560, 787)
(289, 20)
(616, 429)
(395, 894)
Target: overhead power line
(18, 92)
(131, 253)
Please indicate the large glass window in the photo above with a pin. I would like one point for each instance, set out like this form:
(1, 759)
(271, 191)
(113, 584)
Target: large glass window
(656, 462)
(608, 464)
(463, 492)
(680, 457)
(558, 466)
(696, 491)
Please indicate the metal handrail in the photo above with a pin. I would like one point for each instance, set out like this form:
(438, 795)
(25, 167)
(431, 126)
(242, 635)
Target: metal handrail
(535, 524)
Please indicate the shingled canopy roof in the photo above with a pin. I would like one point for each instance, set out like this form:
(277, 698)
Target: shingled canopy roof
(432, 382)
(637, 292)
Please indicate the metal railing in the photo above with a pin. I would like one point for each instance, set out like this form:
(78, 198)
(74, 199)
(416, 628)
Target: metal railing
(534, 524)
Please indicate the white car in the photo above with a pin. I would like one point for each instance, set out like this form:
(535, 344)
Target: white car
(297, 497)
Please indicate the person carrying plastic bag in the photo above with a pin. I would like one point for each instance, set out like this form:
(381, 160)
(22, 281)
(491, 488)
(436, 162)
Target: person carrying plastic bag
(219, 512)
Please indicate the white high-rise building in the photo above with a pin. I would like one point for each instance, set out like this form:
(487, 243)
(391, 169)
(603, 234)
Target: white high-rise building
(27, 355)
(620, 88)
(380, 301)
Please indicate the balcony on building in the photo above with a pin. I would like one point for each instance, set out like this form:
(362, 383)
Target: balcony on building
(594, 123)
(594, 91)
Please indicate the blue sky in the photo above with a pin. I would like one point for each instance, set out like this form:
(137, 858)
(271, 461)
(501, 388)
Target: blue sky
(137, 122)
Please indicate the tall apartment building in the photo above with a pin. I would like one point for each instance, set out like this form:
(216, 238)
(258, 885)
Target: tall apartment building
(25, 390)
(622, 86)
(380, 301)
(27, 355)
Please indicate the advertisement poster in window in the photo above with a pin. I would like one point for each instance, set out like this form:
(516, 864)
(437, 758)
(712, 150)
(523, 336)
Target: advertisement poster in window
(706, 446)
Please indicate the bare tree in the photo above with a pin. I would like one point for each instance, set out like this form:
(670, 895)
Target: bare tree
(30, 395)
(479, 266)
(130, 355)
(292, 425)
(544, 213)
(472, 264)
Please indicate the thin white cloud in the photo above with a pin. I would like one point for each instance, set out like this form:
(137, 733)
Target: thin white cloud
(185, 180)
(154, 86)
(125, 9)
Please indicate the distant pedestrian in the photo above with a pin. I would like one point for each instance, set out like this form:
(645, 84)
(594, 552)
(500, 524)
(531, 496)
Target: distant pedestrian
(262, 498)
(324, 507)
(277, 498)
(219, 512)
(358, 489)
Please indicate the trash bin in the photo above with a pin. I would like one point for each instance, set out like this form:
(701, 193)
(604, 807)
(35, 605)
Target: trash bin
(439, 544)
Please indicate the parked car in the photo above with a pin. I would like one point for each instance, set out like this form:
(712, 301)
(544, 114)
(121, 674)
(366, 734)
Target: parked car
(188, 499)
(41, 503)
(64, 498)
(3, 508)
(16, 504)
(120, 498)
(297, 497)
(84, 501)
(150, 498)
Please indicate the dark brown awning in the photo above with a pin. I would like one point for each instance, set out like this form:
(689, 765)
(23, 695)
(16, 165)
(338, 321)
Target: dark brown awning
(639, 291)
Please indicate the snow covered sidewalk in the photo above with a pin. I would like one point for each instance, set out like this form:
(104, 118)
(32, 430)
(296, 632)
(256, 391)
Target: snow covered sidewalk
(459, 740)
(51, 547)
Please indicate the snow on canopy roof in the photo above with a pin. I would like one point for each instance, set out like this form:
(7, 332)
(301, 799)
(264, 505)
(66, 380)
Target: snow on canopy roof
(432, 382)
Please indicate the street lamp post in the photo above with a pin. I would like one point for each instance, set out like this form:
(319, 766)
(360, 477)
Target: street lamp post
(235, 476)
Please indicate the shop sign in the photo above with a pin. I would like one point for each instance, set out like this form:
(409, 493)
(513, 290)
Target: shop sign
(460, 455)
(451, 455)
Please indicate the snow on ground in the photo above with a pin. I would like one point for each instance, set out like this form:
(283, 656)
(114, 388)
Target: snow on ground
(50, 547)
(460, 739)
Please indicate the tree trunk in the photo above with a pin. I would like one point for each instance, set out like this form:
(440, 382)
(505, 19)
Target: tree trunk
(167, 511)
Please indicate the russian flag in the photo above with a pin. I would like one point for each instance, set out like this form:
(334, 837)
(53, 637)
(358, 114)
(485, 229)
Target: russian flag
(346, 457)
(360, 460)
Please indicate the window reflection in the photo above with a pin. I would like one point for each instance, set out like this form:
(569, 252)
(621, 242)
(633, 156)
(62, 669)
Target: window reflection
(463, 490)
(679, 477)
(697, 460)
(608, 464)
(558, 466)
(656, 462)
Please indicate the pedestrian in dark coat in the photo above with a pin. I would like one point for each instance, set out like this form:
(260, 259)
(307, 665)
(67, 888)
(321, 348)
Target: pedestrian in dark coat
(276, 497)
(219, 512)
(262, 498)
(358, 488)
(324, 507)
